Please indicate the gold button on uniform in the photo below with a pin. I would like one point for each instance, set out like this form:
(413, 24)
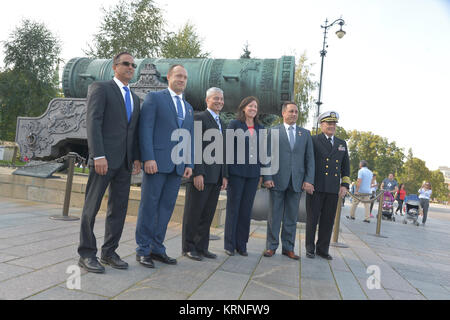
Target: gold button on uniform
(326, 173)
(328, 159)
(327, 166)
(335, 174)
(337, 161)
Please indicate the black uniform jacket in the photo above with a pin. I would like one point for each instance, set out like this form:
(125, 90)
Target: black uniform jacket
(332, 168)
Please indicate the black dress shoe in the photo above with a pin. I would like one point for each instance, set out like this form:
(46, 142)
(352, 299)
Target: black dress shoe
(325, 256)
(209, 255)
(310, 255)
(242, 253)
(164, 258)
(114, 261)
(146, 261)
(193, 255)
(230, 253)
(91, 265)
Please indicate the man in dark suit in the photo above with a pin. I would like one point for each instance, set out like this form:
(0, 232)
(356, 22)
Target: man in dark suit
(331, 180)
(202, 192)
(112, 122)
(164, 114)
(295, 173)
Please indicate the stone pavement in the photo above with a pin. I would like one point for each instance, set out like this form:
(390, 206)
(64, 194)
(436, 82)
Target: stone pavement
(413, 262)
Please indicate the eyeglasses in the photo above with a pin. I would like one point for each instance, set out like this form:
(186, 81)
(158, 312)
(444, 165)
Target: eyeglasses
(127, 64)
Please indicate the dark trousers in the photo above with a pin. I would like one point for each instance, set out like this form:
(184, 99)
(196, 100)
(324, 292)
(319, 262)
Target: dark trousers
(400, 205)
(199, 209)
(285, 206)
(320, 209)
(241, 193)
(159, 193)
(424, 203)
(119, 190)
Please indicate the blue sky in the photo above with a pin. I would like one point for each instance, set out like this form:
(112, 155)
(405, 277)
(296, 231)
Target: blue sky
(388, 75)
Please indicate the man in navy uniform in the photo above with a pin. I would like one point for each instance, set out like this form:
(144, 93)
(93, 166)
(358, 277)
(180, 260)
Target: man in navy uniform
(331, 180)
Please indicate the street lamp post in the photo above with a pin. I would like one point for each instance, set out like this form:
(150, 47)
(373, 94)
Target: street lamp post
(340, 33)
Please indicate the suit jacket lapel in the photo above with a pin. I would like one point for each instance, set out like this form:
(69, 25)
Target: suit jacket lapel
(136, 105)
(171, 106)
(325, 142)
(284, 137)
(117, 91)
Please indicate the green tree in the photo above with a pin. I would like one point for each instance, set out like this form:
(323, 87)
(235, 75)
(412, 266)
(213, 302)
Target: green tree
(303, 87)
(382, 156)
(30, 79)
(440, 188)
(183, 44)
(246, 53)
(134, 26)
(414, 173)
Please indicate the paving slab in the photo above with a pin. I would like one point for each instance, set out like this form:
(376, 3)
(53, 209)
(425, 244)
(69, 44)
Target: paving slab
(414, 262)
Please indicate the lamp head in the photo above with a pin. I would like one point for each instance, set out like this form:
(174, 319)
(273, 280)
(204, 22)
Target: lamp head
(340, 33)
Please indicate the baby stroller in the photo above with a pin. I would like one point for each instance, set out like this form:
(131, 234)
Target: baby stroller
(388, 206)
(411, 207)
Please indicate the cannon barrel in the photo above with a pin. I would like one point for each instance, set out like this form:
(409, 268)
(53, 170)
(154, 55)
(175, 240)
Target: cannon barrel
(270, 80)
(62, 128)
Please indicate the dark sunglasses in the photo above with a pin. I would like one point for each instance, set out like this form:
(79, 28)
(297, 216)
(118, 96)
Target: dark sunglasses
(127, 64)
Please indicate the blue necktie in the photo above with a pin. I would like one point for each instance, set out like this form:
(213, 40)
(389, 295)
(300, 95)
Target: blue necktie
(128, 103)
(179, 111)
(218, 123)
(291, 137)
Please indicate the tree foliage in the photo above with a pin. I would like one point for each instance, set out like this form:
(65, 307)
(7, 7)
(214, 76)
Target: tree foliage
(33, 50)
(134, 26)
(303, 87)
(414, 174)
(30, 80)
(246, 52)
(183, 44)
(382, 156)
(440, 188)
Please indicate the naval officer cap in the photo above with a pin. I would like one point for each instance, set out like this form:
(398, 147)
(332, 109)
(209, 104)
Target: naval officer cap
(329, 116)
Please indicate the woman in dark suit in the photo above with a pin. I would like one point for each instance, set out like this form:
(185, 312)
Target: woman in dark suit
(243, 177)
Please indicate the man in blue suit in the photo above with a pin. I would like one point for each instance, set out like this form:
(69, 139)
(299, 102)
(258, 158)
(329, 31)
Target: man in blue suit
(162, 113)
(296, 173)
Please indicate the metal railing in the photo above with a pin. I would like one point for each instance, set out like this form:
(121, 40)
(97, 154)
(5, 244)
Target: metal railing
(337, 220)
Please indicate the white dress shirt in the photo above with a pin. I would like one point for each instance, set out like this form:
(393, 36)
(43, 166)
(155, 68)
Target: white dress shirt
(121, 85)
(286, 126)
(173, 94)
(332, 139)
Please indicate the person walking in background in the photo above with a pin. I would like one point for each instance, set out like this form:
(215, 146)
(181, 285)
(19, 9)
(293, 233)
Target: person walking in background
(424, 196)
(202, 192)
(373, 190)
(362, 190)
(296, 173)
(243, 178)
(400, 197)
(112, 125)
(390, 184)
(352, 190)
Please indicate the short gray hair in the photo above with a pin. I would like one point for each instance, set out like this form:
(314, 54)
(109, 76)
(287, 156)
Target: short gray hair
(363, 163)
(213, 90)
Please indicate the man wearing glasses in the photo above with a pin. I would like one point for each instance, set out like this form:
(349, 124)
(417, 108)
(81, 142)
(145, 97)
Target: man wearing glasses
(112, 121)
